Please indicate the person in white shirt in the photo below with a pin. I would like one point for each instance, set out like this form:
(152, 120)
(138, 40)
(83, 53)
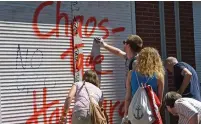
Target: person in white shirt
(188, 109)
(81, 112)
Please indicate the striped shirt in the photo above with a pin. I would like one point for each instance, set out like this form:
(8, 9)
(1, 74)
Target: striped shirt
(186, 108)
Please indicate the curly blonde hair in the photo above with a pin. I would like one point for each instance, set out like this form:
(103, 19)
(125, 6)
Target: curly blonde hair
(149, 63)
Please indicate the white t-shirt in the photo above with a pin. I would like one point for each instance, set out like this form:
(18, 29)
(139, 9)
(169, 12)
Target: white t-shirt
(186, 108)
(82, 98)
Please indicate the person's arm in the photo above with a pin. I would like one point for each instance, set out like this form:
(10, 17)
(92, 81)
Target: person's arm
(114, 50)
(194, 119)
(67, 103)
(187, 77)
(128, 93)
(69, 99)
(101, 101)
(160, 83)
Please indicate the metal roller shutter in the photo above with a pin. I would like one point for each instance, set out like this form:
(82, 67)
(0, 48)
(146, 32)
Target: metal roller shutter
(197, 35)
(113, 21)
(32, 73)
(36, 61)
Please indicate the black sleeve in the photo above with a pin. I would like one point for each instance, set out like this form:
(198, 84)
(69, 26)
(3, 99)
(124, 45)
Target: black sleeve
(131, 64)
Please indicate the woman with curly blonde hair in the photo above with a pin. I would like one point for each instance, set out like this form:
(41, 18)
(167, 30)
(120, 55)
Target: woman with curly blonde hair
(148, 69)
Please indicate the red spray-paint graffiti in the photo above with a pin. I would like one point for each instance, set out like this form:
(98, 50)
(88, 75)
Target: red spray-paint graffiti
(69, 52)
(60, 15)
(43, 111)
(90, 61)
(109, 105)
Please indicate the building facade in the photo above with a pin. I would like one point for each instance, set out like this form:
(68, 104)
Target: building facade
(46, 46)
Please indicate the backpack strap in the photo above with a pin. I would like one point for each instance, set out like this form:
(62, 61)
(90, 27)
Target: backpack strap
(139, 82)
(90, 99)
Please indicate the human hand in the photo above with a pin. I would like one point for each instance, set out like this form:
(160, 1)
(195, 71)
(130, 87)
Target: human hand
(99, 41)
(62, 120)
(124, 120)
